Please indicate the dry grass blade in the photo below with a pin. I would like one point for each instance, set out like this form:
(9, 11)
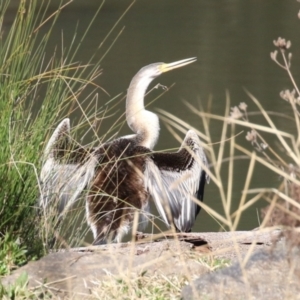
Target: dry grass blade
(238, 212)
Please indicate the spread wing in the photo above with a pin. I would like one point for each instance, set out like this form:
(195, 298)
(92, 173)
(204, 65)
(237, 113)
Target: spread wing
(173, 179)
(65, 172)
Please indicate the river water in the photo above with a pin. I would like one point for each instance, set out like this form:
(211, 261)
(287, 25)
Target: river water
(232, 41)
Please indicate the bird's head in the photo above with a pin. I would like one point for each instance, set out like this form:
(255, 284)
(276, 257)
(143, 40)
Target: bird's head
(154, 70)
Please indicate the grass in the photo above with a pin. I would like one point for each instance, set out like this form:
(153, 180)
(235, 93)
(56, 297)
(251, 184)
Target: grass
(282, 159)
(271, 148)
(12, 254)
(140, 287)
(20, 290)
(214, 263)
(36, 90)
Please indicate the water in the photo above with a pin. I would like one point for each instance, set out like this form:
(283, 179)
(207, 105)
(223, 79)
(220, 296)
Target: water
(232, 40)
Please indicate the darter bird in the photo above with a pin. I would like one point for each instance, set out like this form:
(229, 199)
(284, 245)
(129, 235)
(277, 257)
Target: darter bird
(121, 176)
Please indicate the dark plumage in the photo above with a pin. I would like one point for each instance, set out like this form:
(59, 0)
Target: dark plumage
(117, 190)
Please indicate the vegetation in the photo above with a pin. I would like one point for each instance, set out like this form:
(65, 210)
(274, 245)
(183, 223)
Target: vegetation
(12, 254)
(140, 287)
(20, 290)
(36, 91)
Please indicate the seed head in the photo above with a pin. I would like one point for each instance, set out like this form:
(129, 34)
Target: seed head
(288, 95)
(251, 136)
(235, 113)
(243, 106)
(282, 43)
(263, 146)
(274, 55)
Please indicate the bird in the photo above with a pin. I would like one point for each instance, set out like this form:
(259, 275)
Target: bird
(122, 175)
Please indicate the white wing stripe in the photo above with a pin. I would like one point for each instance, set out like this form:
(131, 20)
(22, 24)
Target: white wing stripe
(176, 189)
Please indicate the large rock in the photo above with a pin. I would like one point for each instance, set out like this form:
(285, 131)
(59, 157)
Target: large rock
(73, 271)
(267, 274)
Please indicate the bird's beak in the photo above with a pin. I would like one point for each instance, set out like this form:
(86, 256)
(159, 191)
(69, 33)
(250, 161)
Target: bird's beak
(177, 64)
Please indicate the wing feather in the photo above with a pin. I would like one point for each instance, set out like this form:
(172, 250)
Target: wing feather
(165, 202)
(63, 180)
(174, 179)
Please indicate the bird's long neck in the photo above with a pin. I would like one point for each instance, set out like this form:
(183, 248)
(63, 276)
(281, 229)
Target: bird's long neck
(142, 122)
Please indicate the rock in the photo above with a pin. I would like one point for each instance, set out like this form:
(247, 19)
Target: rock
(73, 271)
(268, 274)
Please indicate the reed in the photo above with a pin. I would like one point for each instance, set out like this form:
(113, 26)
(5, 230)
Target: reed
(275, 149)
(36, 91)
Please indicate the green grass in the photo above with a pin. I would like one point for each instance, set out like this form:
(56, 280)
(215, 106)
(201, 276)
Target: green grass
(214, 263)
(142, 286)
(12, 254)
(20, 290)
(36, 91)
